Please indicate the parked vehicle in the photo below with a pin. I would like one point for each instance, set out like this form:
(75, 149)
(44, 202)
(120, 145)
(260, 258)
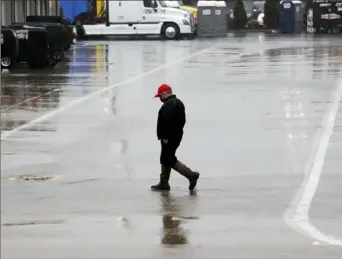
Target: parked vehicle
(9, 48)
(147, 17)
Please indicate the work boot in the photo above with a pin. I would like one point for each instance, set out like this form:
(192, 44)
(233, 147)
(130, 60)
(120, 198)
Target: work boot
(163, 184)
(188, 173)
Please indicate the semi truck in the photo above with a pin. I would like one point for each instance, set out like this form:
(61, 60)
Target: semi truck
(146, 17)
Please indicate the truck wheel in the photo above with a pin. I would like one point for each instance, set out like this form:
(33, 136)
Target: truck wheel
(170, 31)
(80, 33)
(6, 62)
(67, 47)
(60, 55)
(54, 61)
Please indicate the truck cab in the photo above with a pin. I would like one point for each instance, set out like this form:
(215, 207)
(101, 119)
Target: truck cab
(147, 17)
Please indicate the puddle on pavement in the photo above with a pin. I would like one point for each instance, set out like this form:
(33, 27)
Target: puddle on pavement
(30, 177)
(34, 222)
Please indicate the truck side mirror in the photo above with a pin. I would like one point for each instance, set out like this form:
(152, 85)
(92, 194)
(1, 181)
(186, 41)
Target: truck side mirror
(155, 5)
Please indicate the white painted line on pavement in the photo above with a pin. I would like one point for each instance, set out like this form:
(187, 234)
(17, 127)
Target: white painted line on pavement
(29, 100)
(296, 216)
(53, 113)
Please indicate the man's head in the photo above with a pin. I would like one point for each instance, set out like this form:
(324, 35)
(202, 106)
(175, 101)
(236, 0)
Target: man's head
(164, 91)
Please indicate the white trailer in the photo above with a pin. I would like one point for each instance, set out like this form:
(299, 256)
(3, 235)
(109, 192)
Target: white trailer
(145, 17)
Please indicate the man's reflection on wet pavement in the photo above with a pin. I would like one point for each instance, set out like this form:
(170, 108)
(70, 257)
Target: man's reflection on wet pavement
(173, 232)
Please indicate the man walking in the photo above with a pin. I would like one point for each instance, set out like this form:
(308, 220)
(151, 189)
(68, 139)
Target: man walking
(171, 121)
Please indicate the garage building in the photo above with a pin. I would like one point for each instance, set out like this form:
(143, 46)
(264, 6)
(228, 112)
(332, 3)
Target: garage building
(17, 10)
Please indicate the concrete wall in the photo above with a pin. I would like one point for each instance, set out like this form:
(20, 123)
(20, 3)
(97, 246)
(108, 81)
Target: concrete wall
(17, 10)
(5, 12)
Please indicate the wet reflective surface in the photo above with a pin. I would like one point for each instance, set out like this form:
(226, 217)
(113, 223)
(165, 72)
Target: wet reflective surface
(255, 105)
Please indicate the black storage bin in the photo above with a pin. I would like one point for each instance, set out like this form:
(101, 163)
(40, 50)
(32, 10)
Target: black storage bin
(57, 36)
(34, 46)
(9, 48)
(38, 44)
(55, 19)
(326, 16)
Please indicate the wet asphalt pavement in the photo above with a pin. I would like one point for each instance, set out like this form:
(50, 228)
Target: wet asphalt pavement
(258, 114)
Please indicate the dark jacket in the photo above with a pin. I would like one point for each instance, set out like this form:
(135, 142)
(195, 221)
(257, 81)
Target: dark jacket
(171, 118)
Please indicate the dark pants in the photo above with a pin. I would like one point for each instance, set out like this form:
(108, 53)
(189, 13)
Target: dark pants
(168, 150)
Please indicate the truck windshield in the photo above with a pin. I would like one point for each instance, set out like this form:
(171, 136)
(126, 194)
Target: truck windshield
(162, 3)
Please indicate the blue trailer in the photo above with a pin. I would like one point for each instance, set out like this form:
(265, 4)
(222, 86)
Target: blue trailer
(71, 8)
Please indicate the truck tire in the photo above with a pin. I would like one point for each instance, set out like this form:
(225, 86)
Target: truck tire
(54, 60)
(59, 55)
(6, 62)
(67, 47)
(170, 31)
(80, 32)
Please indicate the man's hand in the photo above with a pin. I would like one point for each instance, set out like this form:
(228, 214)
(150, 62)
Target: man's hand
(165, 141)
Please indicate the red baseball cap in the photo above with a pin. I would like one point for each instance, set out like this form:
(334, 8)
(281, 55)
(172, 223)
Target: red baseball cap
(163, 88)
